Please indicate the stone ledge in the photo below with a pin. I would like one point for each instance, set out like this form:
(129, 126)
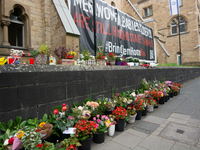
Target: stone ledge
(56, 68)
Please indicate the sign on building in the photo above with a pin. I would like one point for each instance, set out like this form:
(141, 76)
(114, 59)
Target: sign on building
(116, 31)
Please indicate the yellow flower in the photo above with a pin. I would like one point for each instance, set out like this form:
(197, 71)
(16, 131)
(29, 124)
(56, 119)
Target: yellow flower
(41, 125)
(20, 134)
(108, 123)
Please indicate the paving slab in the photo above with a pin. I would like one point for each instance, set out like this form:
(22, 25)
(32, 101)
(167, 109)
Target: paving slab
(154, 119)
(137, 133)
(155, 143)
(181, 133)
(128, 140)
(146, 127)
(112, 146)
(180, 116)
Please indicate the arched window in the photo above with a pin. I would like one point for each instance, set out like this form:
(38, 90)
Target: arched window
(174, 27)
(182, 25)
(16, 29)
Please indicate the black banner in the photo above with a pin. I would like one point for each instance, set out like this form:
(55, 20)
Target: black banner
(116, 31)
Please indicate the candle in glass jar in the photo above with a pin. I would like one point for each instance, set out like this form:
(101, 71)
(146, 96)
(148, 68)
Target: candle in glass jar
(31, 61)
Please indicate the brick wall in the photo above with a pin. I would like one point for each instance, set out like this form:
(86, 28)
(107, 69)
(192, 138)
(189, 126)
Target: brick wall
(31, 91)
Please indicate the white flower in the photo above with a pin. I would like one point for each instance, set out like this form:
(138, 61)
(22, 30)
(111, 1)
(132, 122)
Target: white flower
(5, 142)
(104, 103)
(133, 94)
(80, 108)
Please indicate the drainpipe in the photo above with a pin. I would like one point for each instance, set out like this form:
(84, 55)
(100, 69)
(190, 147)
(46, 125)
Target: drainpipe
(136, 10)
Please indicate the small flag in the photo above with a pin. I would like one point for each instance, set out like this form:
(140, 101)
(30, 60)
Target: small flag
(174, 7)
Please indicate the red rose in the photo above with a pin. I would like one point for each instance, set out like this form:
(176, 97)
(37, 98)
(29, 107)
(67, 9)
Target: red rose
(11, 140)
(39, 145)
(55, 111)
(63, 104)
(64, 108)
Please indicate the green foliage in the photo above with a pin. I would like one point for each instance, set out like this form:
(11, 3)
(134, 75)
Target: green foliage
(19, 123)
(130, 60)
(136, 60)
(118, 58)
(34, 53)
(33, 123)
(65, 144)
(30, 139)
(44, 49)
(44, 119)
(86, 54)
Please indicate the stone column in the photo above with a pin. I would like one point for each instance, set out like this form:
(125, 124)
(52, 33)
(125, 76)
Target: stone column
(5, 32)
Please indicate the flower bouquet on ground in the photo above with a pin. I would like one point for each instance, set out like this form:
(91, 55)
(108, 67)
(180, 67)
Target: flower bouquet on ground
(85, 129)
(111, 125)
(70, 143)
(131, 113)
(101, 123)
(92, 107)
(61, 119)
(139, 103)
(120, 115)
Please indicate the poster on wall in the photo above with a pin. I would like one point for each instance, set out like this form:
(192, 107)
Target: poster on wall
(116, 31)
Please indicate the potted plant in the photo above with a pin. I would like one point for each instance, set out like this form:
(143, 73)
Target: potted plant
(111, 127)
(124, 61)
(84, 133)
(136, 61)
(118, 61)
(131, 113)
(120, 114)
(150, 103)
(70, 143)
(100, 59)
(111, 59)
(139, 106)
(42, 57)
(87, 58)
(130, 61)
(65, 56)
(101, 128)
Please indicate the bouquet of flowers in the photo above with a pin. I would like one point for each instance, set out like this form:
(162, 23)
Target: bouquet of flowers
(70, 55)
(119, 113)
(100, 56)
(131, 110)
(101, 125)
(139, 103)
(84, 129)
(61, 52)
(111, 56)
(61, 118)
(111, 120)
(178, 85)
(69, 144)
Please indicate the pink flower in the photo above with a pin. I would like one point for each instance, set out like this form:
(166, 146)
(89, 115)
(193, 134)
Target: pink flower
(63, 104)
(98, 115)
(88, 103)
(98, 120)
(64, 108)
(102, 117)
(55, 111)
(70, 117)
(96, 126)
(94, 118)
(29, 54)
(106, 118)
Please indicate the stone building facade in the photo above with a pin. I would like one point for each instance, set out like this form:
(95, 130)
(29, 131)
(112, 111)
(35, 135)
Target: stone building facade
(37, 22)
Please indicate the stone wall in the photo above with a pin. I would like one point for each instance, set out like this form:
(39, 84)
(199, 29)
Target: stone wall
(32, 90)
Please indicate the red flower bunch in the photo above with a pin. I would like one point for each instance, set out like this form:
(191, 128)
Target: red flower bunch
(84, 129)
(11, 140)
(111, 56)
(119, 113)
(178, 85)
(39, 145)
(67, 56)
(139, 103)
(175, 88)
(156, 95)
(100, 56)
(131, 110)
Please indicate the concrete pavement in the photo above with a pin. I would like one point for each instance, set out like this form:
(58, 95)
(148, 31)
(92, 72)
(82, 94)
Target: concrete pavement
(173, 126)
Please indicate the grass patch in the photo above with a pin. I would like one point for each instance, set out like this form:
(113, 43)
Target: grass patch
(174, 65)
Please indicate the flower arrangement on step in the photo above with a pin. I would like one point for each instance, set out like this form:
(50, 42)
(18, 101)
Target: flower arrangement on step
(111, 121)
(61, 52)
(85, 129)
(119, 113)
(102, 123)
(139, 103)
(70, 143)
(61, 118)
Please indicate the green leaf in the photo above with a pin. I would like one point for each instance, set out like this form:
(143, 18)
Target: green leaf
(18, 120)
(45, 118)
(3, 126)
(22, 124)
(10, 123)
